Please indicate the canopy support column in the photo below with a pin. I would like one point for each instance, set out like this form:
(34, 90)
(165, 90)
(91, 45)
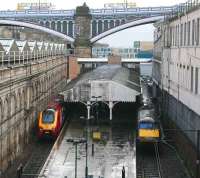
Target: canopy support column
(88, 109)
(111, 107)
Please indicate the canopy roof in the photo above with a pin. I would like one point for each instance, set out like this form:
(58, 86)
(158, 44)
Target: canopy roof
(110, 82)
(23, 45)
(9, 45)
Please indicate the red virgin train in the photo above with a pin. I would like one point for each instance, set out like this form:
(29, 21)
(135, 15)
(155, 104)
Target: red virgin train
(50, 121)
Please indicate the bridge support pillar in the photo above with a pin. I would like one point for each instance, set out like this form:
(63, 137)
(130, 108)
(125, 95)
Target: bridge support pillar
(82, 31)
(110, 108)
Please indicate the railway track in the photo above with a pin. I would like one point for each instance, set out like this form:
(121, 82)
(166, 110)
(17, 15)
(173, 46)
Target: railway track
(37, 159)
(41, 154)
(159, 163)
(148, 161)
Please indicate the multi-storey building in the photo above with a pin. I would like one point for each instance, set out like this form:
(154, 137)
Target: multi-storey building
(176, 74)
(103, 50)
(143, 49)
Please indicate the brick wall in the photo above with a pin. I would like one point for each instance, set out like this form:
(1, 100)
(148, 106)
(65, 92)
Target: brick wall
(114, 60)
(74, 68)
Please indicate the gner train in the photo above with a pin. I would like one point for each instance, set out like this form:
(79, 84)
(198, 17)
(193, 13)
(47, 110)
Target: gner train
(148, 128)
(50, 121)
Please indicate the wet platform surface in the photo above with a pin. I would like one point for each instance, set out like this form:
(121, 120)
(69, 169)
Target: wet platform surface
(110, 155)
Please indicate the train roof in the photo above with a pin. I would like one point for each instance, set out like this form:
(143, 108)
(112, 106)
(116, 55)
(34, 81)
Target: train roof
(147, 119)
(53, 105)
(147, 107)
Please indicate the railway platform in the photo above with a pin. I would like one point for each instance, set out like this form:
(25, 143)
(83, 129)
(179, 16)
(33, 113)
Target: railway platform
(110, 155)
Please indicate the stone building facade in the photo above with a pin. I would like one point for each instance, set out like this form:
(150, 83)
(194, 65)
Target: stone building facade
(25, 90)
(176, 76)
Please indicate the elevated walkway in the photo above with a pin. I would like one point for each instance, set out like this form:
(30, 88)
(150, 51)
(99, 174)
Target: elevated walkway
(109, 84)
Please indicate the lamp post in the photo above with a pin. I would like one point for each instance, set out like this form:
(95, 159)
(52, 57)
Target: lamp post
(87, 138)
(75, 143)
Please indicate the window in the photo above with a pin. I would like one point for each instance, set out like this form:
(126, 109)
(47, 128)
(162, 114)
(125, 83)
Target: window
(193, 31)
(185, 28)
(178, 35)
(188, 33)
(197, 33)
(48, 116)
(181, 40)
(196, 80)
(191, 79)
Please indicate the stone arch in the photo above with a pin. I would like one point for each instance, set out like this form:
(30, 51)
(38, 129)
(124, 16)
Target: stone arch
(41, 23)
(112, 24)
(13, 127)
(105, 25)
(24, 93)
(6, 108)
(53, 25)
(18, 100)
(58, 26)
(47, 24)
(52, 79)
(13, 104)
(18, 121)
(6, 139)
(1, 111)
(123, 21)
(100, 27)
(70, 29)
(94, 28)
(64, 30)
(35, 91)
(117, 22)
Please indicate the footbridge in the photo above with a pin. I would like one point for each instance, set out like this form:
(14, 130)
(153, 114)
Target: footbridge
(109, 84)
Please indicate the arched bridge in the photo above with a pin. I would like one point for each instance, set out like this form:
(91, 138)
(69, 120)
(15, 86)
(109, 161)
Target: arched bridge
(103, 20)
(70, 39)
(36, 27)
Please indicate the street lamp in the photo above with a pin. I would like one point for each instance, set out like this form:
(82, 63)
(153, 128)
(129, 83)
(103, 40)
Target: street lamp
(75, 143)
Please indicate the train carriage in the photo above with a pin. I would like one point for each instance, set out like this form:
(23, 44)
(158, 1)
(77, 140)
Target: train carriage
(148, 127)
(50, 121)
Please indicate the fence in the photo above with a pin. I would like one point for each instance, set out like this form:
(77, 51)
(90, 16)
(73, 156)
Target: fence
(183, 8)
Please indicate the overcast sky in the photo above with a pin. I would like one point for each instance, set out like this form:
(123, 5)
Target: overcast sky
(124, 38)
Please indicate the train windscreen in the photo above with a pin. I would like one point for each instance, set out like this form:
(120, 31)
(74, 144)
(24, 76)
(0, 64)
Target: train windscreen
(145, 125)
(146, 113)
(48, 116)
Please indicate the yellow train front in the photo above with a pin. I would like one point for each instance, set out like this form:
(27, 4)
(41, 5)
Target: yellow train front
(50, 121)
(148, 129)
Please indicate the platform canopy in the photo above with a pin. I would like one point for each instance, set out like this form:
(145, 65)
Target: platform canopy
(108, 83)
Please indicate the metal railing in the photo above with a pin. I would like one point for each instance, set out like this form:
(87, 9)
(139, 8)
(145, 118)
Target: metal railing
(183, 8)
(16, 57)
(14, 13)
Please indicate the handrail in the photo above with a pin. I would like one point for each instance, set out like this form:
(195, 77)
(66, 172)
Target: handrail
(92, 11)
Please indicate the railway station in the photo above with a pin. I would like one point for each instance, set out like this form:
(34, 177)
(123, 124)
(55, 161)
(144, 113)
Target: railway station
(100, 90)
(110, 85)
